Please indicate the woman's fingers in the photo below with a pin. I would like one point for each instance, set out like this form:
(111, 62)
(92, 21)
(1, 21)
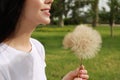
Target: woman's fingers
(84, 76)
(80, 72)
(75, 72)
(84, 79)
(83, 72)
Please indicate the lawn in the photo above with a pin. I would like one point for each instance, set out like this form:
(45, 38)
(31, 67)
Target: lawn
(105, 66)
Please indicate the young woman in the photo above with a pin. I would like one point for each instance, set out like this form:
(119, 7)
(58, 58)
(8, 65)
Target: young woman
(22, 57)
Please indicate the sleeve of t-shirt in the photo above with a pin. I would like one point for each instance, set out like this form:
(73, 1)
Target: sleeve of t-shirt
(40, 48)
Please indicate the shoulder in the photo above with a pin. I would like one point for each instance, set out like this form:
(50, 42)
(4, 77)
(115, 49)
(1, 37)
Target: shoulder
(3, 54)
(36, 42)
(39, 47)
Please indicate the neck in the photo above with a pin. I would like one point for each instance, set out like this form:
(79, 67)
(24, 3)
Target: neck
(21, 39)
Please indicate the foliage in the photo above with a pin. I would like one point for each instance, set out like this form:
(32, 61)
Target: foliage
(104, 16)
(71, 12)
(61, 8)
(114, 10)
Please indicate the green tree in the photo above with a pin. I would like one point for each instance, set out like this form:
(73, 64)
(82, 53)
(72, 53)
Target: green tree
(104, 16)
(61, 8)
(76, 10)
(114, 11)
(57, 11)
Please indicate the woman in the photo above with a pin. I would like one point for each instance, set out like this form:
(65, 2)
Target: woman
(22, 57)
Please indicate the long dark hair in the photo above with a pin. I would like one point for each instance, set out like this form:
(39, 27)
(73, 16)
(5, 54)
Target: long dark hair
(10, 12)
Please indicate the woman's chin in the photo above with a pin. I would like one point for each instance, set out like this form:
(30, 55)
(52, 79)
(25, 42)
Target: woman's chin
(48, 22)
(45, 22)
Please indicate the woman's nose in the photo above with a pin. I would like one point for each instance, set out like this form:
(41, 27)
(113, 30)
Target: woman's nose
(49, 1)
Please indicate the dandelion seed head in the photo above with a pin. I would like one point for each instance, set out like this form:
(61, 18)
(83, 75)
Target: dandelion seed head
(84, 41)
(68, 41)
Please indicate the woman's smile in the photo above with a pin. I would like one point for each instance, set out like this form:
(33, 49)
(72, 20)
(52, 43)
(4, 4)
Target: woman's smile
(46, 11)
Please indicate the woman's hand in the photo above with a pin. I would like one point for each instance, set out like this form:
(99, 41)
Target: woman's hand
(79, 72)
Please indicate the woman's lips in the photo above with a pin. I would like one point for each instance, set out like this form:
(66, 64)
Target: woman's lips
(46, 11)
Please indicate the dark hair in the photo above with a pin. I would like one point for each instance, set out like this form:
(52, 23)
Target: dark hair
(10, 11)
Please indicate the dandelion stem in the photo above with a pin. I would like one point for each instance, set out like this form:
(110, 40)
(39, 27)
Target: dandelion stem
(81, 61)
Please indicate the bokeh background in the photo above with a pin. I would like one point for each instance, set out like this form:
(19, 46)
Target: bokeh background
(102, 15)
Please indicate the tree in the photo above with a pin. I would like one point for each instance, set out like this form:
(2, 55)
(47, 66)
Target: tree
(61, 8)
(114, 10)
(57, 10)
(95, 11)
(104, 16)
(75, 15)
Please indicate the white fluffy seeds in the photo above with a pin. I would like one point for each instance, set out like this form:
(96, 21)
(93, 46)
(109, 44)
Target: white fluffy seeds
(84, 41)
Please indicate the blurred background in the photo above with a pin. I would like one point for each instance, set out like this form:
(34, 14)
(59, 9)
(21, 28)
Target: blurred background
(94, 12)
(103, 16)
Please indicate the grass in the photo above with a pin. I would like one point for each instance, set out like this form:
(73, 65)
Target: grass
(105, 66)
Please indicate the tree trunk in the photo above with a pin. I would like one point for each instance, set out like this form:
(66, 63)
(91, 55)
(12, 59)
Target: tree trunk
(112, 17)
(61, 21)
(112, 23)
(95, 13)
(52, 20)
(111, 31)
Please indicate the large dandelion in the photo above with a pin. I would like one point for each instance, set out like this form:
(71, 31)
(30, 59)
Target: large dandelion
(84, 41)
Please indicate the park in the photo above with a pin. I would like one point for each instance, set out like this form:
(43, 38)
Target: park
(105, 66)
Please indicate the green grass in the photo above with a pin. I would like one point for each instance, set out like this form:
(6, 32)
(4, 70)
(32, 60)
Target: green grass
(105, 66)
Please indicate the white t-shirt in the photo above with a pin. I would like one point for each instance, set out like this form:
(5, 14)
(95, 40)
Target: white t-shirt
(19, 65)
